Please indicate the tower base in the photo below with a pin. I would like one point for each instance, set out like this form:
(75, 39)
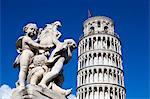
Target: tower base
(36, 92)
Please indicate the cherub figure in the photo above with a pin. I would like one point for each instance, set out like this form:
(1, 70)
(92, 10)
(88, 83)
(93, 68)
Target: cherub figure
(59, 56)
(27, 48)
(38, 69)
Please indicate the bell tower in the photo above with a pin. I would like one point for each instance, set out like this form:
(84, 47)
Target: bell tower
(100, 69)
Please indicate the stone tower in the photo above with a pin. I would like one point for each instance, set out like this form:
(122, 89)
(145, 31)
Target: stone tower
(100, 70)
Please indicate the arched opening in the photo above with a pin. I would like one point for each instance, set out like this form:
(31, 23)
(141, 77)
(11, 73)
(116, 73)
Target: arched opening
(95, 93)
(112, 44)
(99, 43)
(98, 23)
(95, 75)
(100, 76)
(105, 75)
(94, 43)
(90, 44)
(111, 93)
(104, 44)
(92, 30)
(108, 43)
(85, 44)
(106, 95)
(95, 59)
(101, 93)
(110, 76)
(109, 59)
(104, 59)
(100, 59)
(91, 76)
(90, 60)
(106, 29)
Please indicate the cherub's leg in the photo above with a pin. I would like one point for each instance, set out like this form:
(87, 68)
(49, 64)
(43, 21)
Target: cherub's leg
(37, 75)
(22, 76)
(24, 62)
(60, 90)
(53, 73)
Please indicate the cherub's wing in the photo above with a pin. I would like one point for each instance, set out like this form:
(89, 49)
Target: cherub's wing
(19, 44)
(16, 62)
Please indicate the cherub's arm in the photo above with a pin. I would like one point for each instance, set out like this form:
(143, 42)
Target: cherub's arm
(34, 45)
(56, 41)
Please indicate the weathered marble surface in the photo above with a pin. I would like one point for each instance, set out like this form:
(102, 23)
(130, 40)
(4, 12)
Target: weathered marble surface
(36, 92)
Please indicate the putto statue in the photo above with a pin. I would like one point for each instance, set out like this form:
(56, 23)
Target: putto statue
(42, 56)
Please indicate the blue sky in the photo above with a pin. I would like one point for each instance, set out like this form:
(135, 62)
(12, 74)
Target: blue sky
(131, 23)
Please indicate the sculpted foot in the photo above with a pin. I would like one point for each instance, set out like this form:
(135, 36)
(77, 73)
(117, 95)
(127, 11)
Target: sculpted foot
(68, 92)
(42, 85)
(21, 87)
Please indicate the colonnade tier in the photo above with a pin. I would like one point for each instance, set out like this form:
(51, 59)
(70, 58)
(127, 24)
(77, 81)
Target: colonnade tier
(99, 41)
(100, 57)
(100, 74)
(101, 91)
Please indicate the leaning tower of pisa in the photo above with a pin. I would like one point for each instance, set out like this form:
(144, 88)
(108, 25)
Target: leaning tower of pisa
(100, 70)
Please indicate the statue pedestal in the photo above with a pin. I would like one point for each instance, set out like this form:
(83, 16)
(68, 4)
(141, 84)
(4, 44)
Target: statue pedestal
(36, 92)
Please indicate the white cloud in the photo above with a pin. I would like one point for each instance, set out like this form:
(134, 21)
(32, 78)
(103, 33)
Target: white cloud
(5, 92)
(72, 96)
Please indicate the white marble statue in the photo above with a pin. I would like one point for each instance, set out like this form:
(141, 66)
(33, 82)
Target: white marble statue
(40, 66)
(27, 48)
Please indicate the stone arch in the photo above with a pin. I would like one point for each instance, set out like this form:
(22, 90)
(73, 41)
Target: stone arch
(117, 61)
(113, 60)
(94, 43)
(99, 24)
(86, 44)
(108, 42)
(104, 58)
(95, 58)
(116, 46)
(90, 76)
(90, 43)
(99, 42)
(95, 73)
(114, 75)
(90, 93)
(118, 74)
(112, 44)
(110, 76)
(104, 44)
(96, 93)
(120, 94)
(92, 29)
(111, 93)
(100, 58)
(101, 92)
(106, 29)
(109, 59)
(105, 75)
(83, 46)
(106, 95)
(116, 97)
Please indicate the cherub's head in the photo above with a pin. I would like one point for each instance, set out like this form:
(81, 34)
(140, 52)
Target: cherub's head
(71, 43)
(30, 29)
